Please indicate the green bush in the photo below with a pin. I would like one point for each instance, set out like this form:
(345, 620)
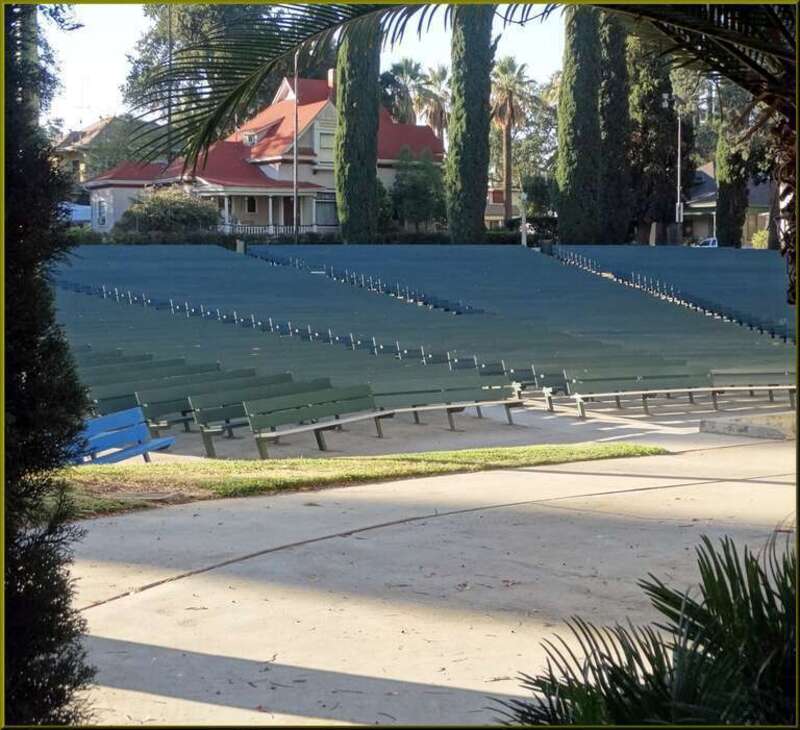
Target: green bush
(760, 239)
(84, 236)
(169, 210)
(726, 657)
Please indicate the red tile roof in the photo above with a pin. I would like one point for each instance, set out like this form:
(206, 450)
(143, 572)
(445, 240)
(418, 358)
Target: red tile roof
(276, 123)
(227, 164)
(127, 170)
(393, 137)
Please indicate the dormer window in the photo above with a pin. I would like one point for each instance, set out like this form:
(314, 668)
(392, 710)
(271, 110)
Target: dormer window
(250, 138)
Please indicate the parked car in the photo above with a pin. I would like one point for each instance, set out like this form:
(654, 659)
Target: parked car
(706, 243)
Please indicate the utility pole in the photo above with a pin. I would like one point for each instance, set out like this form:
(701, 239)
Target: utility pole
(295, 211)
(169, 88)
(523, 199)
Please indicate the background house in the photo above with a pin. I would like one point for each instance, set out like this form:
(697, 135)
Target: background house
(700, 210)
(495, 214)
(250, 172)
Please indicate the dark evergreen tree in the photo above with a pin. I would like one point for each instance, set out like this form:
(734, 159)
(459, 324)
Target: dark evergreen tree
(578, 167)
(732, 176)
(44, 402)
(467, 164)
(654, 137)
(614, 194)
(356, 143)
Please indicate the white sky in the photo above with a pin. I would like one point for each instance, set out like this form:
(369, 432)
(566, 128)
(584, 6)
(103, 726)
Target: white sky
(93, 60)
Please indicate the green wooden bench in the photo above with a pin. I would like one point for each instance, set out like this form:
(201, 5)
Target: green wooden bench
(169, 404)
(649, 384)
(91, 371)
(115, 358)
(453, 395)
(164, 370)
(222, 411)
(757, 379)
(304, 410)
(119, 396)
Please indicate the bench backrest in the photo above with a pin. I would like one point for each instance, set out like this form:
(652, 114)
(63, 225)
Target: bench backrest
(664, 381)
(108, 359)
(160, 372)
(129, 387)
(139, 367)
(269, 412)
(116, 430)
(222, 406)
(753, 377)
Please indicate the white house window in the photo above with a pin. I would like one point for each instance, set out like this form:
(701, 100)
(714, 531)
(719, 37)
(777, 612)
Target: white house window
(251, 204)
(101, 212)
(326, 209)
(326, 143)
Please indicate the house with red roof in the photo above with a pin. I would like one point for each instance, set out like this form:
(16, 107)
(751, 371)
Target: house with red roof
(250, 172)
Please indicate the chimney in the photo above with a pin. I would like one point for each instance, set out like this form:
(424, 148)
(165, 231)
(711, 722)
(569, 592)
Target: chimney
(331, 82)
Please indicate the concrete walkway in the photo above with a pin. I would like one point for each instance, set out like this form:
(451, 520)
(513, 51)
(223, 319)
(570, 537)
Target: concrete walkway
(405, 602)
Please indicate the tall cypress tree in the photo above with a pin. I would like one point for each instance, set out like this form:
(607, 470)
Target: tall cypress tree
(356, 142)
(578, 167)
(467, 164)
(732, 196)
(44, 659)
(653, 148)
(614, 205)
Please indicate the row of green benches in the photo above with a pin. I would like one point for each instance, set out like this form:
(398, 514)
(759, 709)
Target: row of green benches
(647, 384)
(170, 392)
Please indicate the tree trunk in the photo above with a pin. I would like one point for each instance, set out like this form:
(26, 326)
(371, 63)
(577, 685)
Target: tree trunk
(507, 171)
(773, 234)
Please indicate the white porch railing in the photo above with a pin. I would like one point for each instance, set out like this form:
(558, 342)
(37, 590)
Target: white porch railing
(273, 230)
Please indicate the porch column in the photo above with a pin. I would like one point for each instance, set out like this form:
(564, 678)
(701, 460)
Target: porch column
(227, 212)
(314, 213)
(269, 211)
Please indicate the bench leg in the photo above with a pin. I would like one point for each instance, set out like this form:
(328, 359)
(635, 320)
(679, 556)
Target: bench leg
(669, 395)
(752, 393)
(618, 401)
(450, 420)
(644, 405)
(416, 417)
(714, 400)
(338, 428)
(478, 411)
(548, 400)
(581, 406)
(186, 427)
(208, 442)
(771, 396)
(691, 397)
(146, 457)
(320, 440)
(261, 445)
(228, 430)
(791, 399)
(508, 416)
(378, 427)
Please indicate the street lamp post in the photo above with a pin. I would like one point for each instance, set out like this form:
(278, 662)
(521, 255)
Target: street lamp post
(523, 198)
(678, 204)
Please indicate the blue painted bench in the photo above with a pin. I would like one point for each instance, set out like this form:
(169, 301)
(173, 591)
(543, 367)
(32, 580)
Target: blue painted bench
(125, 431)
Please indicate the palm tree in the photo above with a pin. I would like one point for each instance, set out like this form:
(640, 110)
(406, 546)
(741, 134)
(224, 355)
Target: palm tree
(511, 91)
(408, 73)
(751, 45)
(435, 101)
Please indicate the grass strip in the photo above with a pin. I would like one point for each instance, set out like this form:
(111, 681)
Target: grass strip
(111, 488)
